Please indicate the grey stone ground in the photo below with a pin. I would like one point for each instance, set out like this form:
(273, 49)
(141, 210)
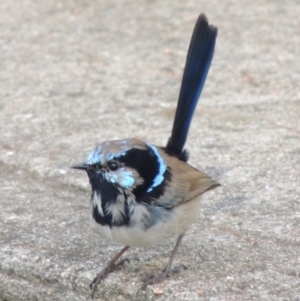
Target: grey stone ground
(74, 73)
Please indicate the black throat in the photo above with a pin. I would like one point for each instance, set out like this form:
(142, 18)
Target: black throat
(107, 194)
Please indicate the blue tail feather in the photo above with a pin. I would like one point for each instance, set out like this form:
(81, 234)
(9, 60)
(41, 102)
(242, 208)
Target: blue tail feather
(198, 61)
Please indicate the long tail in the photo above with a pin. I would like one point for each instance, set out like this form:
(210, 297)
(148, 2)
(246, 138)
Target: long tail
(198, 61)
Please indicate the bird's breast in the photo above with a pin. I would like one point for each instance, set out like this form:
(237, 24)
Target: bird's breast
(140, 225)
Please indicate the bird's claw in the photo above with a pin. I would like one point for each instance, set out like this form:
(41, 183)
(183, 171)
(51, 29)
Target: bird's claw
(153, 279)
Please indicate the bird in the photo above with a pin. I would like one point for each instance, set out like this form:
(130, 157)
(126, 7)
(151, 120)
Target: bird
(143, 194)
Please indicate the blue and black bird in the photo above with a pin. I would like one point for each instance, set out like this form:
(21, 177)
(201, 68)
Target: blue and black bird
(143, 194)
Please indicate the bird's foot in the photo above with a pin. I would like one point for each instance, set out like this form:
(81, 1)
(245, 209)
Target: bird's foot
(110, 267)
(104, 273)
(154, 279)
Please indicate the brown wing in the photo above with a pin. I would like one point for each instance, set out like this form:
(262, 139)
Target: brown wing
(187, 182)
(195, 182)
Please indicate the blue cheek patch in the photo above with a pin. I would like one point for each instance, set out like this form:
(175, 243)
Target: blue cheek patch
(127, 179)
(162, 168)
(124, 178)
(112, 178)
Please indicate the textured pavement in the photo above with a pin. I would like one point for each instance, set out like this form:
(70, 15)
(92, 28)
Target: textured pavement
(75, 73)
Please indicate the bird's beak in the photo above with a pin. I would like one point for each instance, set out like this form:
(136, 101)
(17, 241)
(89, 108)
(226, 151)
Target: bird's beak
(81, 166)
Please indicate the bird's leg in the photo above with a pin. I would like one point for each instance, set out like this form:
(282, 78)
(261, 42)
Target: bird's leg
(110, 267)
(166, 271)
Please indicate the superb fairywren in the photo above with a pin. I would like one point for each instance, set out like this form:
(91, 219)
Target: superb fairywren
(141, 193)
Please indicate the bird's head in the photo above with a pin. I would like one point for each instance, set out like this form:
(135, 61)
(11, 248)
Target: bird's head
(128, 165)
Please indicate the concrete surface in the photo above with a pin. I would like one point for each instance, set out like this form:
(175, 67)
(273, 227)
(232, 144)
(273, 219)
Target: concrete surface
(74, 73)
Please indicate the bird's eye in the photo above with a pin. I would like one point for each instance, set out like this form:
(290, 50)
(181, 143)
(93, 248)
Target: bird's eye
(113, 165)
